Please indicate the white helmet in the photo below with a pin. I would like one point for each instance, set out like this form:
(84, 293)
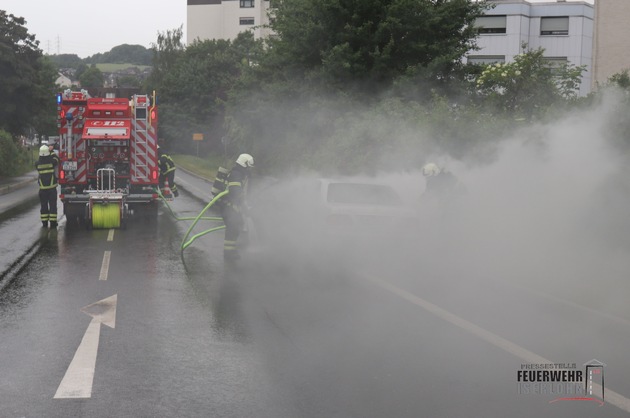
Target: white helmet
(245, 160)
(430, 169)
(44, 151)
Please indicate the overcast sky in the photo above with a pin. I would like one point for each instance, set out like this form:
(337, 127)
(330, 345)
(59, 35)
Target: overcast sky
(87, 27)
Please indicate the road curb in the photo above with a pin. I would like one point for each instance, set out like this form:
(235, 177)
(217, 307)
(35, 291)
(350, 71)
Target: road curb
(190, 173)
(8, 188)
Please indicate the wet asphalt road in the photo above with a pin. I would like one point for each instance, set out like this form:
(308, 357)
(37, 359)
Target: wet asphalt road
(284, 333)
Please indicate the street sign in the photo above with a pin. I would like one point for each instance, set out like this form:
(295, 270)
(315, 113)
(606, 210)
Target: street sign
(197, 137)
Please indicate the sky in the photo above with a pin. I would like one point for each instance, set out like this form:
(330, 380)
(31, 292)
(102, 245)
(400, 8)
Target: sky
(88, 27)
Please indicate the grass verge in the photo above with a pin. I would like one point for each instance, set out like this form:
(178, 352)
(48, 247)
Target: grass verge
(27, 161)
(204, 167)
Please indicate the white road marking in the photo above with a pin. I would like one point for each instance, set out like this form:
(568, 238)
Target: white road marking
(105, 266)
(612, 397)
(572, 304)
(104, 310)
(110, 235)
(78, 380)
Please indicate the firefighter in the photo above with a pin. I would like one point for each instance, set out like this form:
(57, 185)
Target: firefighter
(53, 153)
(440, 183)
(167, 172)
(234, 204)
(46, 166)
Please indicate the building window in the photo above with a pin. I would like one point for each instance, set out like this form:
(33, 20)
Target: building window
(486, 59)
(247, 3)
(491, 24)
(554, 25)
(555, 63)
(246, 21)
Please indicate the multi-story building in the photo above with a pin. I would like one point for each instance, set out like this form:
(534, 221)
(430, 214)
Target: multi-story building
(563, 29)
(225, 19)
(611, 45)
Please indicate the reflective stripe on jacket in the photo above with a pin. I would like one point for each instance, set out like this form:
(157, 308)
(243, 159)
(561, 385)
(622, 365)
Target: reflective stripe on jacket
(166, 164)
(236, 187)
(46, 167)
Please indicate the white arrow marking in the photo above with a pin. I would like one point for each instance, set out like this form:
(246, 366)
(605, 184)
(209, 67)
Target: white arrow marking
(77, 382)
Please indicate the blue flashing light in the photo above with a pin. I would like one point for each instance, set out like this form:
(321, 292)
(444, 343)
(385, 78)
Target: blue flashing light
(58, 98)
(69, 116)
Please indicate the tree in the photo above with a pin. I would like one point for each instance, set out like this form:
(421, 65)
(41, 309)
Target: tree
(91, 78)
(614, 95)
(166, 53)
(193, 93)
(44, 90)
(80, 69)
(123, 54)
(12, 156)
(370, 42)
(128, 81)
(66, 60)
(620, 80)
(528, 86)
(27, 86)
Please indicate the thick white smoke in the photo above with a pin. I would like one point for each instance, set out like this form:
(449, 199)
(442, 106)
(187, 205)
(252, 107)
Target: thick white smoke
(550, 213)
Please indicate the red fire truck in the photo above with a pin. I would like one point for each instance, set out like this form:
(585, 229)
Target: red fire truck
(108, 158)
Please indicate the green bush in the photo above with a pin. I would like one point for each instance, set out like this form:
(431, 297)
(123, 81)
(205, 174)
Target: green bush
(14, 160)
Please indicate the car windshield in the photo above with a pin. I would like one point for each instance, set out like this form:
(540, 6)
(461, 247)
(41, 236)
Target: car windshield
(362, 194)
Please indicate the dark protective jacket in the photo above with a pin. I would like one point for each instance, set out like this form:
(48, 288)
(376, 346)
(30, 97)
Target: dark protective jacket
(443, 184)
(166, 164)
(46, 167)
(237, 186)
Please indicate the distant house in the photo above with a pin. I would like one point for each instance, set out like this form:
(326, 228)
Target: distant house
(63, 81)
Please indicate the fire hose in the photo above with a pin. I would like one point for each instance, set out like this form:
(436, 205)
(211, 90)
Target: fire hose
(187, 242)
(105, 216)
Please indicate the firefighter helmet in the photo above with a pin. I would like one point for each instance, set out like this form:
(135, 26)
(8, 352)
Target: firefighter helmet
(430, 169)
(245, 160)
(44, 151)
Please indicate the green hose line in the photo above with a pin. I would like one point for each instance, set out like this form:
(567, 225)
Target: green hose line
(201, 234)
(105, 216)
(186, 243)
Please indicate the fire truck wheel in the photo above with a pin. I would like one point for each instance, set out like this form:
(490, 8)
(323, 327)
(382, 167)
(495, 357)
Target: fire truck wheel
(86, 217)
(147, 212)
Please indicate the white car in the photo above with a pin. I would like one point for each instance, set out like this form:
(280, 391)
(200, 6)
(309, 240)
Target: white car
(362, 208)
(322, 212)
